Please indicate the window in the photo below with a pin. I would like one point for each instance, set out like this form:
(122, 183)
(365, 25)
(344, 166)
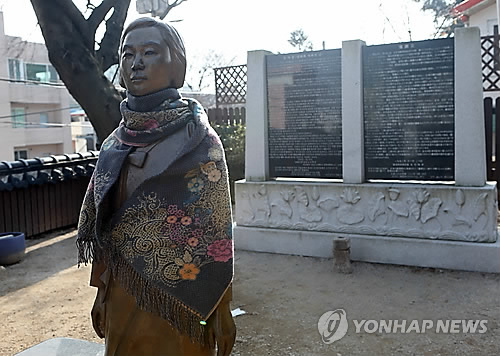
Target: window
(53, 74)
(20, 154)
(37, 72)
(44, 119)
(18, 117)
(15, 69)
(44, 73)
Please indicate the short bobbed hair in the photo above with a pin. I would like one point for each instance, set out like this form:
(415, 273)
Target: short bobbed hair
(173, 41)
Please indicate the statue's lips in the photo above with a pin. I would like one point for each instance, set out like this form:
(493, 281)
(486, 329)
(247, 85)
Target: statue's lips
(138, 79)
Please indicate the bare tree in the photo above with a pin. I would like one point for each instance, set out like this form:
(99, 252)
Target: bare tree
(299, 39)
(157, 8)
(81, 59)
(200, 74)
(444, 20)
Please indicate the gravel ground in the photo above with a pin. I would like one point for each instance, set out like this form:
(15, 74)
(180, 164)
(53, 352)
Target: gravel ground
(47, 296)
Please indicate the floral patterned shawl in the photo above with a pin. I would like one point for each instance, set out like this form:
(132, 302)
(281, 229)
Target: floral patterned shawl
(170, 244)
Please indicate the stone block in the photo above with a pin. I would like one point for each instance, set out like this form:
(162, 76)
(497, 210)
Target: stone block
(64, 346)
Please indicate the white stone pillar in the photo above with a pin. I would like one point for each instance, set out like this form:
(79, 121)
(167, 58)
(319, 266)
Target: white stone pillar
(470, 146)
(256, 141)
(353, 158)
(498, 12)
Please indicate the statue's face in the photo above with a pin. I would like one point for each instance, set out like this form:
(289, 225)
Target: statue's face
(145, 63)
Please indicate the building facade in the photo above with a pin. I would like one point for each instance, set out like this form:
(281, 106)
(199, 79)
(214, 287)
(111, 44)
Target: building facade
(34, 104)
(478, 13)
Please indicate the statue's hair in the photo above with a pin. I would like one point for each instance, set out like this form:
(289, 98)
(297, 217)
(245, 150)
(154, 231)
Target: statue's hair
(171, 38)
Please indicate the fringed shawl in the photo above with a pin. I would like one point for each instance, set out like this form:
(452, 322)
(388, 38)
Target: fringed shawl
(170, 244)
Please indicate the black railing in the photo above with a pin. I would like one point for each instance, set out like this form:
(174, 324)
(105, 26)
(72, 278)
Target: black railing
(43, 194)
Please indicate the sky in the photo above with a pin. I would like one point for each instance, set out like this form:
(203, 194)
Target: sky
(233, 27)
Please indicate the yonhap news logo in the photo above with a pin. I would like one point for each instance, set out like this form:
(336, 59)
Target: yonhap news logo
(333, 326)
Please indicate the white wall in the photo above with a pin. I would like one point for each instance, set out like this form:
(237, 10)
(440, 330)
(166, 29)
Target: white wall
(484, 19)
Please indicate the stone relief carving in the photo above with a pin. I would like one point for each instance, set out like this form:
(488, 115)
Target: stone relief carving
(422, 206)
(328, 204)
(377, 206)
(398, 208)
(480, 206)
(390, 211)
(245, 206)
(283, 205)
(260, 202)
(348, 213)
(459, 219)
(256, 205)
(308, 212)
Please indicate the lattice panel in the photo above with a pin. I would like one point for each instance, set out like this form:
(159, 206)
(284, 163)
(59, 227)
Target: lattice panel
(490, 60)
(231, 85)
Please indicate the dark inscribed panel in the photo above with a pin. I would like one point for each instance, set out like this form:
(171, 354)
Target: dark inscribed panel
(305, 114)
(409, 110)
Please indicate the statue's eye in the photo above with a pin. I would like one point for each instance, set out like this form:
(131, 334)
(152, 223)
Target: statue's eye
(149, 52)
(127, 55)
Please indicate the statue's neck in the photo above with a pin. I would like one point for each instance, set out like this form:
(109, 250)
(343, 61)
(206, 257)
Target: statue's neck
(150, 101)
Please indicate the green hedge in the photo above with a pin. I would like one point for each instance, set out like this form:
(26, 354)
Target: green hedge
(233, 139)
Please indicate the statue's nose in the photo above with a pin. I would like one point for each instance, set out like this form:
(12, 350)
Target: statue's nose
(137, 63)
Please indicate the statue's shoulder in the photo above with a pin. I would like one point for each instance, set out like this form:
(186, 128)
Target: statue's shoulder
(194, 105)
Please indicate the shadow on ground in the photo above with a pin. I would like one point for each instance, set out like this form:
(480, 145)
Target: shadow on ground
(47, 256)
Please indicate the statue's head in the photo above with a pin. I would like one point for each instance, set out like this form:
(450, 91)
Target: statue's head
(152, 57)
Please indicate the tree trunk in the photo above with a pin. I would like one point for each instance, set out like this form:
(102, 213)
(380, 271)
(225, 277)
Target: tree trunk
(70, 43)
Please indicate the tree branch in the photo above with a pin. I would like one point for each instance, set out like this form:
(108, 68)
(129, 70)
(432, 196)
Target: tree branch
(169, 7)
(99, 14)
(107, 54)
(68, 9)
(77, 64)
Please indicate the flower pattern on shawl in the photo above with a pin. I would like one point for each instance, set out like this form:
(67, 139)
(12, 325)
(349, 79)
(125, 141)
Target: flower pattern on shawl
(221, 250)
(150, 124)
(196, 227)
(214, 175)
(208, 167)
(108, 143)
(215, 153)
(195, 185)
(172, 219)
(189, 271)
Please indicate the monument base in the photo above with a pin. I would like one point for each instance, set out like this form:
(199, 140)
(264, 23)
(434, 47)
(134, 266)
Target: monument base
(458, 255)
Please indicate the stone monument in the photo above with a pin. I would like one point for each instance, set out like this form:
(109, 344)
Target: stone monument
(407, 184)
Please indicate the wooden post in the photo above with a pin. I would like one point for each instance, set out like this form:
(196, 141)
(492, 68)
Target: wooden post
(488, 121)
